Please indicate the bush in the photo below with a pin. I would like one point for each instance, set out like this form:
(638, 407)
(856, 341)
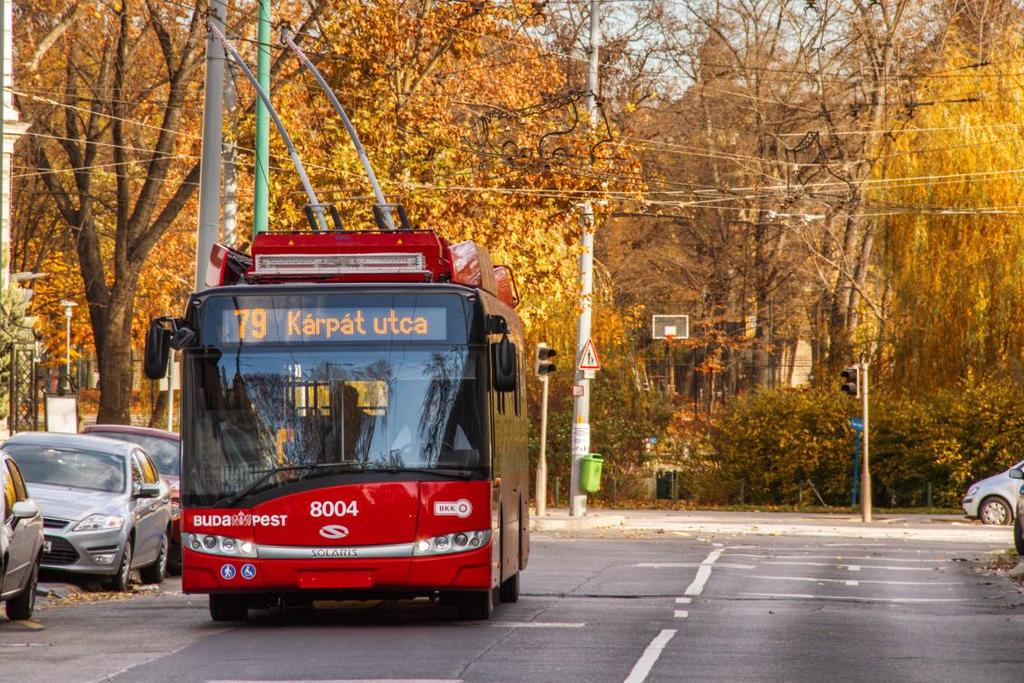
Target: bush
(774, 439)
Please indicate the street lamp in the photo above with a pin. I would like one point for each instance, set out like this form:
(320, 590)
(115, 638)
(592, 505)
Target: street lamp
(68, 305)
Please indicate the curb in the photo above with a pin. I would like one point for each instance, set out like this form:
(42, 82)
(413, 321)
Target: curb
(591, 521)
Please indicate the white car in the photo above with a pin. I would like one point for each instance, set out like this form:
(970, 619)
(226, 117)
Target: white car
(993, 500)
(21, 542)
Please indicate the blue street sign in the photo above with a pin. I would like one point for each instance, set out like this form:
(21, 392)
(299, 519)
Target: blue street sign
(857, 423)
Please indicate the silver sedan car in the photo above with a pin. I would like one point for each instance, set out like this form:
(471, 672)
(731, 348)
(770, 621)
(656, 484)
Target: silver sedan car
(993, 500)
(105, 511)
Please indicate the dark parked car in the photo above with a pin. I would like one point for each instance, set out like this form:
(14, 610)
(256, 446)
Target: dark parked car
(105, 510)
(165, 449)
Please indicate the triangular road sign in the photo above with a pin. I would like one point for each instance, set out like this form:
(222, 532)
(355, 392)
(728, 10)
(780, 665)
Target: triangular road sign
(588, 359)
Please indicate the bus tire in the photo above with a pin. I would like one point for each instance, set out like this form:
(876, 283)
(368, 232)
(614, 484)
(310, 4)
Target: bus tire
(228, 607)
(509, 591)
(475, 605)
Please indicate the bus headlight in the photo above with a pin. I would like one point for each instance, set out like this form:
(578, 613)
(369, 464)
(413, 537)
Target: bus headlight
(452, 543)
(224, 546)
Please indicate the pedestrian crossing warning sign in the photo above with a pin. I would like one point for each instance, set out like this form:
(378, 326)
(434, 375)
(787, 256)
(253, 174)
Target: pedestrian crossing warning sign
(588, 359)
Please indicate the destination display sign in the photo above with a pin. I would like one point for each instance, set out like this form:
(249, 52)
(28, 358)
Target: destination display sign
(262, 325)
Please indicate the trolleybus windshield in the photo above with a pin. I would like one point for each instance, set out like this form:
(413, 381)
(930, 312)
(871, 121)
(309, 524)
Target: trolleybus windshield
(258, 400)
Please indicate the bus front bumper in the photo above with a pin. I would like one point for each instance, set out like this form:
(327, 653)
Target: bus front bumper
(470, 570)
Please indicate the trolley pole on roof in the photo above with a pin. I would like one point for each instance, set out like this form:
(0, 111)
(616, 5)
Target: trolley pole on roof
(210, 161)
(581, 403)
(261, 199)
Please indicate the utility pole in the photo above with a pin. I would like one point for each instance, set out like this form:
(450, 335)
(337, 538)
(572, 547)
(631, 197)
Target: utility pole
(210, 161)
(229, 232)
(865, 473)
(581, 404)
(261, 198)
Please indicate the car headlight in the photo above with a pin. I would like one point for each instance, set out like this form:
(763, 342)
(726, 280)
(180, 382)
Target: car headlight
(971, 491)
(98, 522)
(458, 542)
(225, 546)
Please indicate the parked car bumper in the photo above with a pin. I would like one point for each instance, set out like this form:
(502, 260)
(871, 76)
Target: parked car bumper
(85, 552)
(970, 505)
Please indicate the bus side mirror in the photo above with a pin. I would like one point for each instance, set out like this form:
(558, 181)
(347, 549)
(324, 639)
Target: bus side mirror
(505, 370)
(154, 361)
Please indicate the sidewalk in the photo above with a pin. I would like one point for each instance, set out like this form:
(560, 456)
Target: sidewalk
(909, 527)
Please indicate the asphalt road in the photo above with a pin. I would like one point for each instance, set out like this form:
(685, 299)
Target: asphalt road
(657, 608)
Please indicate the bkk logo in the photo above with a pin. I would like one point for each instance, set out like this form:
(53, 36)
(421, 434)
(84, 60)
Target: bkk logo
(459, 508)
(333, 531)
(239, 519)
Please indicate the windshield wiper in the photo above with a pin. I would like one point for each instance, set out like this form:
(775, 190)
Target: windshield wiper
(231, 501)
(445, 472)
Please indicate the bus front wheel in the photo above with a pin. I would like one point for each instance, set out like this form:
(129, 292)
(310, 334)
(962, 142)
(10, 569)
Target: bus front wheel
(228, 607)
(475, 605)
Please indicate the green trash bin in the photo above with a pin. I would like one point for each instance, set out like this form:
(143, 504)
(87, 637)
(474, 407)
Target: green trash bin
(590, 472)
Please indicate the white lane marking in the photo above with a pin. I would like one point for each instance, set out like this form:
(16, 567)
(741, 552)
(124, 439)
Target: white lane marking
(647, 660)
(859, 567)
(681, 614)
(683, 601)
(853, 567)
(339, 680)
(690, 565)
(846, 598)
(718, 545)
(539, 624)
(837, 557)
(848, 582)
(703, 573)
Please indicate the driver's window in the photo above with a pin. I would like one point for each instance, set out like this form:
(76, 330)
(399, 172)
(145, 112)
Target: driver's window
(20, 492)
(137, 476)
(8, 493)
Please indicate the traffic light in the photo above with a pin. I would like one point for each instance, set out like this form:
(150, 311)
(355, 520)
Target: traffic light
(543, 365)
(851, 385)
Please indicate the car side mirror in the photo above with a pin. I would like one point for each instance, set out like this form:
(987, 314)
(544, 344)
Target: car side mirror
(148, 491)
(1016, 473)
(505, 365)
(24, 509)
(154, 360)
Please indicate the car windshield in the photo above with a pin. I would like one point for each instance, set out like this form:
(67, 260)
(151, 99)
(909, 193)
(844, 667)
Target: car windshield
(163, 451)
(255, 408)
(71, 467)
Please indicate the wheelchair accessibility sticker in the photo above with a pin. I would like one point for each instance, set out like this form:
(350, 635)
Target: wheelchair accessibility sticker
(248, 571)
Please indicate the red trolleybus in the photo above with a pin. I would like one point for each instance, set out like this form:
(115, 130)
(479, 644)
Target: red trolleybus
(353, 424)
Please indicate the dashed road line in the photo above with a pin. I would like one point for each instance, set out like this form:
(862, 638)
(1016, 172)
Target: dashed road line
(647, 660)
(848, 582)
(683, 601)
(703, 573)
(847, 598)
(858, 566)
(839, 557)
(690, 565)
(681, 614)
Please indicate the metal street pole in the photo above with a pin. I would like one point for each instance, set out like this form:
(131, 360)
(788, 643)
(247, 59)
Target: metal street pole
(865, 473)
(170, 393)
(5, 247)
(581, 405)
(542, 463)
(210, 161)
(68, 305)
(261, 198)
